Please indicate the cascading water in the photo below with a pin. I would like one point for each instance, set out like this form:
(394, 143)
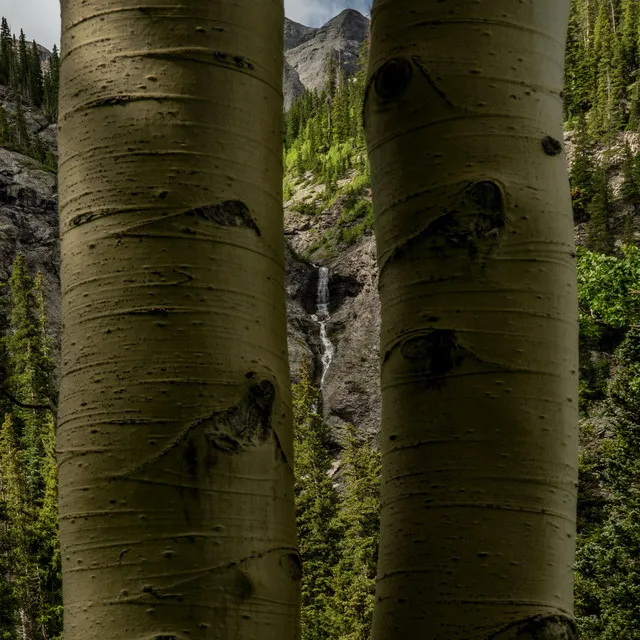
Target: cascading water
(321, 316)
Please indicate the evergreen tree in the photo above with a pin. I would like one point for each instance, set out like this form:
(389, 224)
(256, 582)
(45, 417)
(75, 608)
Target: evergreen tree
(36, 82)
(316, 509)
(331, 83)
(608, 556)
(631, 188)
(31, 367)
(582, 173)
(19, 532)
(577, 88)
(598, 230)
(27, 462)
(51, 85)
(605, 113)
(359, 516)
(6, 53)
(22, 80)
(6, 135)
(21, 133)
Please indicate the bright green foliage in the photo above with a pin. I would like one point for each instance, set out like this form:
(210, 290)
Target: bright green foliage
(608, 289)
(608, 553)
(316, 509)
(323, 132)
(608, 557)
(31, 594)
(323, 144)
(359, 515)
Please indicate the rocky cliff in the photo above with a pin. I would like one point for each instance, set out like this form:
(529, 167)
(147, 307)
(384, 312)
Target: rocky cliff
(307, 51)
(29, 208)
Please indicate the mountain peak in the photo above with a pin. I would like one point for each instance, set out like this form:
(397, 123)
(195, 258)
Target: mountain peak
(295, 34)
(348, 24)
(307, 51)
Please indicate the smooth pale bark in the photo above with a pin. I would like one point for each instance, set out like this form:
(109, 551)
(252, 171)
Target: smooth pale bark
(175, 443)
(463, 118)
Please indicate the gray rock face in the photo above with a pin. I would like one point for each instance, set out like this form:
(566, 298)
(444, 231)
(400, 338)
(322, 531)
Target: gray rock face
(37, 123)
(341, 37)
(295, 34)
(29, 224)
(351, 389)
(292, 86)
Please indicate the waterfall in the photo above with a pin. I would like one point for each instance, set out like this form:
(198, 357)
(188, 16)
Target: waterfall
(321, 316)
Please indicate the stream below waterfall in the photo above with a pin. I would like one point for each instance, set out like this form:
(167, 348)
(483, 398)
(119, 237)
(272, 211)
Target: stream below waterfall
(321, 316)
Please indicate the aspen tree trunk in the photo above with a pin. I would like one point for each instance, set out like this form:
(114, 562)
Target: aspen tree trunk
(175, 443)
(463, 116)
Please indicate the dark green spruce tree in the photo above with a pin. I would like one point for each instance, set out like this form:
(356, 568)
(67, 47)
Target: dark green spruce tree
(359, 517)
(316, 509)
(599, 236)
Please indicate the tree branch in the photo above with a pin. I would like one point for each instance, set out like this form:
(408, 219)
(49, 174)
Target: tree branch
(50, 406)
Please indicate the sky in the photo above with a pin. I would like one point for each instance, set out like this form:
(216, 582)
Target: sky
(40, 19)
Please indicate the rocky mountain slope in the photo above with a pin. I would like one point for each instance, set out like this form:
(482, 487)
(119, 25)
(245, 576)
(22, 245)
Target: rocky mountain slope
(29, 207)
(307, 51)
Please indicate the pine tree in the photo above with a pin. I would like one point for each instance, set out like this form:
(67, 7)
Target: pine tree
(331, 83)
(6, 135)
(22, 138)
(608, 557)
(598, 229)
(605, 116)
(359, 517)
(23, 65)
(6, 53)
(630, 189)
(51, 85)
(316, 509)
(36, 82)
(30, 368)
(577, 88)
(29, 461)
(19, 518)
(582, 173)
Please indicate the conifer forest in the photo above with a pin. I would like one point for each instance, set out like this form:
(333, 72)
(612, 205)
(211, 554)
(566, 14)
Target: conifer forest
(338, 514)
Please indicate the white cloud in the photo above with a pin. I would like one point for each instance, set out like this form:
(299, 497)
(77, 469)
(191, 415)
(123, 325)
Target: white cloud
(314, 13)
(40, 19)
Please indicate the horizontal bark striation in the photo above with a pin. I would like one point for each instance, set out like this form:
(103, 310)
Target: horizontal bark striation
(479, 338)
(175, 478)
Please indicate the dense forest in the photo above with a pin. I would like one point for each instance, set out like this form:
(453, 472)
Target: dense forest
(30, 83)
(338, 514)
(30, 587)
